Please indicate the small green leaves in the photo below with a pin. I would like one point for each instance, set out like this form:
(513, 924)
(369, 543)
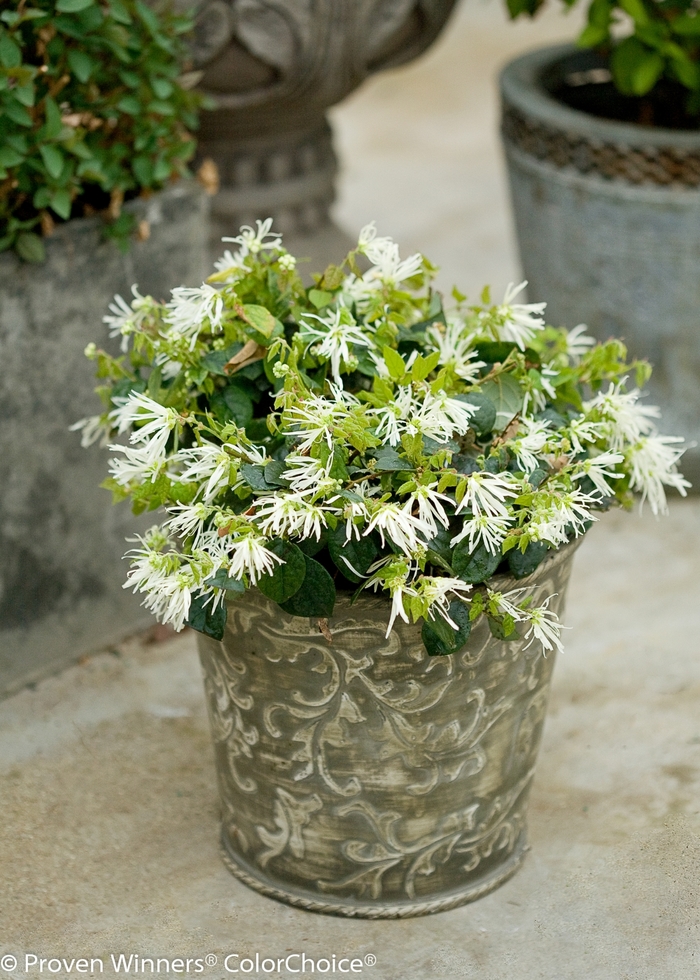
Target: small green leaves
(205, 620)
(635, 68)
(105, 140)
(316, 597)
(287, 579)
(439, 638)
(474, 566)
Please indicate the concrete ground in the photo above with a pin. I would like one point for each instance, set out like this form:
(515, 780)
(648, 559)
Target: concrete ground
(108, 809)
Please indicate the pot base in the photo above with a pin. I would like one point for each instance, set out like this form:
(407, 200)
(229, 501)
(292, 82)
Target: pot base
(366, 910)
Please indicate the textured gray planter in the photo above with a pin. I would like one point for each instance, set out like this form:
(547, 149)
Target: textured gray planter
(364, 778)
(608, 222)
(61, 540)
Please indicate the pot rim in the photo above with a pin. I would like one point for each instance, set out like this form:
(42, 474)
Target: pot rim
(521, 87)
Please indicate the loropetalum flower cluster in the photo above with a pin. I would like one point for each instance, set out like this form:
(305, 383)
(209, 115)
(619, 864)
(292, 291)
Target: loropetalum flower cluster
(357, 435)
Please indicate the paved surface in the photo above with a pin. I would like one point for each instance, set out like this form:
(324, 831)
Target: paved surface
(108, 810)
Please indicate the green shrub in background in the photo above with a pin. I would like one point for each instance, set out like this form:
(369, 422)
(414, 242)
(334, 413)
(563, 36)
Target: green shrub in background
(651, 44)
(93, 110)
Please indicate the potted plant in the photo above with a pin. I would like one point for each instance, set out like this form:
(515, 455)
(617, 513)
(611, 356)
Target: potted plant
(370, 510)
(603, 149)
(95, 121)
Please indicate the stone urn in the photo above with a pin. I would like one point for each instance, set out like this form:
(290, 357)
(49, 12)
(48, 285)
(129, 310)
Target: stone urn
(271, 69)
(359, 776)
(607, 215)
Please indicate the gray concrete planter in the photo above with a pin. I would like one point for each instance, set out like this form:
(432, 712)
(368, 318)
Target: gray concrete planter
(363, 778)
(61, 540)
(608, 223)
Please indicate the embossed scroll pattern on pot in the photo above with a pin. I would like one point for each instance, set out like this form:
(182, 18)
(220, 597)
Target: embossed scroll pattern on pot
(363, 777)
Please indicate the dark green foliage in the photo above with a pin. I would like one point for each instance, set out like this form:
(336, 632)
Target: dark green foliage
(523, 563)
(288, 578)
(92, 112)
(204, 620)
(439, 638)
(475, 566)
(662, 47)
(316, 597)
(360, 554)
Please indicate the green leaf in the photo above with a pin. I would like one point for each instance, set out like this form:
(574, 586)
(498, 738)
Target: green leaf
(222, 581)
(73, 6)
(394, 363)
(389, 461)
(9, 157)
(353, 557)
(30, 247)
(320, 298)
(523, 563)
(205, 621)
(25, 93)
(439, 638)
(129, 104)
(503, 627)
(53, 125)
(61, 203)
(507, 396)
(162, 87)
(143, 170)
(484, 419)
(316, 597)
(17, 113)
(636, 10)
(10, 52)
(635, 68)
(686, 26)
(494, 351)
(233, 403)
(81, 64)
(475, 566)
(53, 159)
(422, 366)
(273, 473)
(260, 319)
(287, 579)
(254, 476)
(215, 360)
(160, 108)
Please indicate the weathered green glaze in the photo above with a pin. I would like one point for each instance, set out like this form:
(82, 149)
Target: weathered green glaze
(362, 777)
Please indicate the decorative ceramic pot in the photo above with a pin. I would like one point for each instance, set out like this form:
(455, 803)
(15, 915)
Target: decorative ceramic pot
(608, 222)
(362, 777)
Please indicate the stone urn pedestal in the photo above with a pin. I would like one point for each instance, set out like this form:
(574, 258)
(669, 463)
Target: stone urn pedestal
(363, 778)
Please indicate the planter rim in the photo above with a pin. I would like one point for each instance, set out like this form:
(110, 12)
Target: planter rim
(77, 228)
(522, 89)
